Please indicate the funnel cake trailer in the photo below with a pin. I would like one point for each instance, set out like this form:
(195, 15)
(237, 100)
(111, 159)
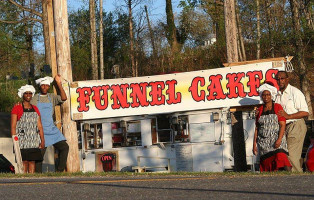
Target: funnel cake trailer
(173, 122)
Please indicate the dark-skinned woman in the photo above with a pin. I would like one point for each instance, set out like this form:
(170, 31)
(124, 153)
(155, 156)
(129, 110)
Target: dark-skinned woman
(26, 124)
(269, 138)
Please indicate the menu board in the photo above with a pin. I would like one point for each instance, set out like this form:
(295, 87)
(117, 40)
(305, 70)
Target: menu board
(184, 159)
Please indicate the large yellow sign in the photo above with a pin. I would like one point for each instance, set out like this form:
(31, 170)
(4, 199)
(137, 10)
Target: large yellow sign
(197, 90)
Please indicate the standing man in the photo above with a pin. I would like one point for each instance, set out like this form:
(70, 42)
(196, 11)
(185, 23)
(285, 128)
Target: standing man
(294, 110)
(46, 103)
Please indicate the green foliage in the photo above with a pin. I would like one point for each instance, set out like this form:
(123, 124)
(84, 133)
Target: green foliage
(116, 37)
(8, 94)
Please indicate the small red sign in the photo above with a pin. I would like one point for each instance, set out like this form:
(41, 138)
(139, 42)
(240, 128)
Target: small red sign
(106, 157)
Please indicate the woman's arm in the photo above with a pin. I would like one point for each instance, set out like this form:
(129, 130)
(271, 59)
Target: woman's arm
(254, 142)
(282, 127)
(13, 124)
(41, 133)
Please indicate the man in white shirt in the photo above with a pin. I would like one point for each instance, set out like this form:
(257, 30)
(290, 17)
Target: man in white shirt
(294, 110)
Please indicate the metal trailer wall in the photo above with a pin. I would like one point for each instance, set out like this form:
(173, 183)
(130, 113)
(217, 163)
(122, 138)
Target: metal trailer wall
(208, 149)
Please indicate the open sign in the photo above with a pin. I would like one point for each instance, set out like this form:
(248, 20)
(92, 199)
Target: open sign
(107, 157)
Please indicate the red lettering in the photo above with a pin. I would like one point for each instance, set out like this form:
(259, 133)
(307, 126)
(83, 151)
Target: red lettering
(254, 82)
(138, 95)
(119, 96)
(83, 98)
(156, 93)
(173, 97)
(270, 77)
(214, 88)
(101, 102)
(234, 85)
(193, 89)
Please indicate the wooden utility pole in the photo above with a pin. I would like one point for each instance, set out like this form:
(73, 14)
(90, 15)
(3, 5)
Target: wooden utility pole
(52, 52)
(231, 31)
(65, 70)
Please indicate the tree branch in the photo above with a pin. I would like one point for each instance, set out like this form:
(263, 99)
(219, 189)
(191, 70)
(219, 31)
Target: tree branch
(19, 21)
(26, 9)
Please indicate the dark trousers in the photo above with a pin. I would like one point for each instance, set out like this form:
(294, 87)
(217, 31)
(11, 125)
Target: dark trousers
(63, 150)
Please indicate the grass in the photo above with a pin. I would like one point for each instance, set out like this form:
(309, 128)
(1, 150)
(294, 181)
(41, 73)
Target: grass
(149, 174)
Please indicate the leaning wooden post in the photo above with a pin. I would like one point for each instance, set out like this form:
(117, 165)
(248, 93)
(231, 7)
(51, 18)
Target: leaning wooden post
(65, 70)
(52, 52)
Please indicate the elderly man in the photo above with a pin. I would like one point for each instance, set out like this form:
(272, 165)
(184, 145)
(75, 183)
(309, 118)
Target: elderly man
(46, 103)
(294, 110)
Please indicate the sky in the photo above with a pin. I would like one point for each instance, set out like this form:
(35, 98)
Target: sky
(156, 10)
(156, 7)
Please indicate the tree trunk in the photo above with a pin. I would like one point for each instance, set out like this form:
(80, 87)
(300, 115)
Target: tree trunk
(101, 40)
(30, 52)
(231, 31)
(93, 39)
(46, 32)
(270, 28)
(151, 34)
(299, 49)
(306, 8)
(240, 37)
(132, 56)
(171, 28)
(258, 30)
(219, 23)
(65, 70)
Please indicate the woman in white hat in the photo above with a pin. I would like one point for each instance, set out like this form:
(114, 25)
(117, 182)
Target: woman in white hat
(26, 123)
(269, 139)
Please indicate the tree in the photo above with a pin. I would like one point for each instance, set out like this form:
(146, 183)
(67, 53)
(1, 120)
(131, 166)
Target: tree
(132, 52)
(258, 30)
(27, 15)
(101, 40)
(151, 34)
(171, 31)
(241, 48)
(64, 68)
(299, 49)
(93, 38)
(231, 31)
(270, 27)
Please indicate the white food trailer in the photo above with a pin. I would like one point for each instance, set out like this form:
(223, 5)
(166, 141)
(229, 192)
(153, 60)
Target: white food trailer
(172, 122)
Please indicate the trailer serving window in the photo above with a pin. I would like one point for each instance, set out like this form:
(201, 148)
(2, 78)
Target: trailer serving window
(171, 129)
(126, 133)
(92, 134)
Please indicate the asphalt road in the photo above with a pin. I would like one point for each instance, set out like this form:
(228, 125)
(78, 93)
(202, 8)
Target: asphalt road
(160, 187)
